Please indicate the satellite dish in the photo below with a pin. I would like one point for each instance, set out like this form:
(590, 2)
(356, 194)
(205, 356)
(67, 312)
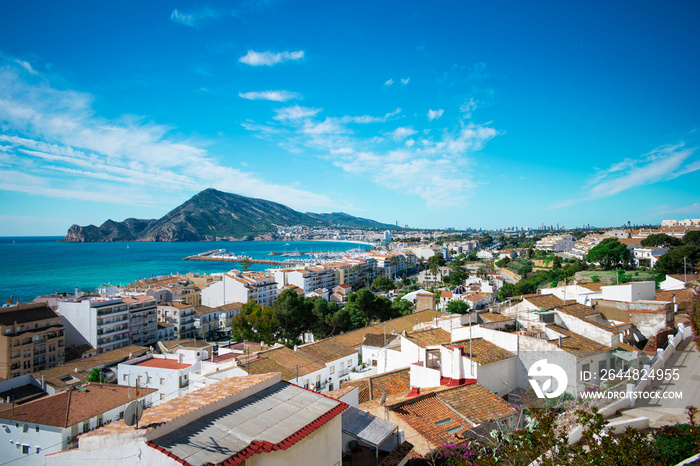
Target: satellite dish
(133, 413)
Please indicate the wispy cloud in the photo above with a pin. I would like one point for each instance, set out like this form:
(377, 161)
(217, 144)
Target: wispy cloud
(54, 144)
(195, 19)
(295, 113)
(435, 114)
(435, 166)
(388, 82)
(468, 107)
(402, 133)
(664, 163)
(268, 58)
(27, 66)
(276, 96)
(405, 81)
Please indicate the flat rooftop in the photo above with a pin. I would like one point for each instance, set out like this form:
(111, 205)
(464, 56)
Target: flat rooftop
(271, 415)
(162, 363)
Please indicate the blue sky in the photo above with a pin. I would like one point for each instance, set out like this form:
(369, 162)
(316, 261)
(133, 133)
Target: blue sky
(448, 114)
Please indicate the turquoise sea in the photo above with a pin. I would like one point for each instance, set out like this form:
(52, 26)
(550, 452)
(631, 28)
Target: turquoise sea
(33, 266)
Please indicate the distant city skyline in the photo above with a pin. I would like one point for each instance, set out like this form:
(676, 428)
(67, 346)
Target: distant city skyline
(464, 115)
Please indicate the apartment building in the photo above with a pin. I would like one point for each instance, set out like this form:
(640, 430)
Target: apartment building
(101, 322)
(308, 278)
(241, 287)
(556, 243)
(31, 338)
(395, 263)
(354, 271)
(143, 320)
(180, 315)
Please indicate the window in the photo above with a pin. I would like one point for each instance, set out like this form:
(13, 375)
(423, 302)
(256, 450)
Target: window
(125, 377)
(454, 430)
(36, 428)
(162, 396)
(162, 380)
(25, 428)
(349, 362)
(332, 371)
(25, 449)
(342, 366)
(443, 422)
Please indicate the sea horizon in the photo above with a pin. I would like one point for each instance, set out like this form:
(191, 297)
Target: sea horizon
(40, 265)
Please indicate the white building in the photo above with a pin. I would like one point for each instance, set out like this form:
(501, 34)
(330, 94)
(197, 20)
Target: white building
(180, 315)
(647, 257)
(241, 287)
(167, 373)
(556, 243)
(339, 360)
(103, 323)
(52, 423)
(222, 424)
(308, 279)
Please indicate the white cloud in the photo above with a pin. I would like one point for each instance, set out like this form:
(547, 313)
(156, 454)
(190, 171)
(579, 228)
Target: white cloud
(435, 114)
(389, 82)
(366, 119)
(193, 20)
(295, 113)
(276, 96)
(268, 58)
(27, 66)
(664, 163)
(402, 133)
(436, 167)
(405, 81)
(468, 107)
(60, 147)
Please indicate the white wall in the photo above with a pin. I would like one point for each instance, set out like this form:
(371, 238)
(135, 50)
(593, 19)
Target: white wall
(629, 292)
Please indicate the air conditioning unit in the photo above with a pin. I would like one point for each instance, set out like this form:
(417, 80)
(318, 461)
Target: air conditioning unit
(401, 436)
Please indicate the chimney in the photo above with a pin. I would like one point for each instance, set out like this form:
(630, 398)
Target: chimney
(560, 341)
(457, 363)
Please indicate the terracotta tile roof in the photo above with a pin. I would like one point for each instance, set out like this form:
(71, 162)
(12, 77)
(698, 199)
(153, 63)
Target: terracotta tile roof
(432, 419)
(203, 310)
(229, 307)
(389, 383)
(627, 347)
(682, 297)
(378, 340)
(162, 363)
(575, 343)
(690, 277)
(338, 394)
(176, 305)
(593, 286)
(578, 310)
(84, 366)
(70, 407)
(476, 403)
(327, 350)
(363, 394)
(396, 326)
(491, 317)
(185, 404)
(282, 360)
(430, 337)
(544, 301)
(30, 312)
(630, 241)
(482, 351)
(174, 345)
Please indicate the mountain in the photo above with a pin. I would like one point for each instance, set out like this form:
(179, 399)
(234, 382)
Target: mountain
(211, 215)
(341, 219)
